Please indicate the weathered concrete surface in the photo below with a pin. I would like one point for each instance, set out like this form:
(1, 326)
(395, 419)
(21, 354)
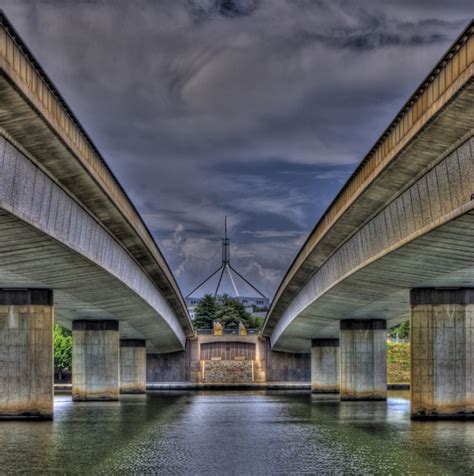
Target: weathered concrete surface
(95, 360)
(26, 354)
(363, 347)
(132, 366)
(325, 366)
(228, 350)
(417, 177)
(442, 359)
(179, 367)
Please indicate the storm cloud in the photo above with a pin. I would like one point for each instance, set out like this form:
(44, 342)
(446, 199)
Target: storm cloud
(255, 109)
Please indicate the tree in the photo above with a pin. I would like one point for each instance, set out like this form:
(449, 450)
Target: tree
(205, 312)
(402, 331)
(62, 350)
(231, 311)
(255, 322)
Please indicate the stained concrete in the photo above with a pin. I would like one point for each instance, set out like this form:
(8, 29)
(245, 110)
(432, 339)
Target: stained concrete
(363, 347)
(325, 366)
(95, 360)
(132, 366)
(26, 354)
(442, 355)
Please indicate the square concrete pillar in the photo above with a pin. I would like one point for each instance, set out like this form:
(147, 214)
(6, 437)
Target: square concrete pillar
(95, 360)
(325, 365)
(26, 354)
(442, 353)
(363, 347)
(132, 366)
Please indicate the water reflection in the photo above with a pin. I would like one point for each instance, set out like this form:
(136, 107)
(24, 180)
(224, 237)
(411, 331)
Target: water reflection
(236, 433)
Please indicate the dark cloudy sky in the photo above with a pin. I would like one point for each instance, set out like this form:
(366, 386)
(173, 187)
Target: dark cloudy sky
(255, 109)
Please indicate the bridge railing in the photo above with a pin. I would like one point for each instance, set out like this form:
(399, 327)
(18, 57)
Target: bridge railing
(226, 331)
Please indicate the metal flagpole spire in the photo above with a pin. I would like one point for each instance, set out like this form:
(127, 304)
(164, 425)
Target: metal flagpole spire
(226, 266)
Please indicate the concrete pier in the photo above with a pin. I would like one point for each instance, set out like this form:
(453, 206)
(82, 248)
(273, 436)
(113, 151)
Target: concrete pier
(325, 365)
(363, 353)
(132, 366)
(442, 355)
(26, 353)
(95, 360)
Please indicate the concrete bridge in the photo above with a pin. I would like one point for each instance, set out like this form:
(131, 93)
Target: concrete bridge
(396, 242)
(70, 235)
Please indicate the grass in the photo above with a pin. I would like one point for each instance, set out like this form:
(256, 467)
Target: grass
(398, 362)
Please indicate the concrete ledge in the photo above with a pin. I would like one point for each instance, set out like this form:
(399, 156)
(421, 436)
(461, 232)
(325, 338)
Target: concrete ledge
(228, 386)
(66, 387)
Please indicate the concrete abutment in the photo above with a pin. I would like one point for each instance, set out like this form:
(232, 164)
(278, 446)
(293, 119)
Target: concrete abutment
(363, 354)
(26, 353)
(325, 365)
(95, 360)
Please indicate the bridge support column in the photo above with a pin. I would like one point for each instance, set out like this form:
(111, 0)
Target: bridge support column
(363, 359)
(26, 353)
(132, 366)
(325, 365)
(95, 360)
(442, 353)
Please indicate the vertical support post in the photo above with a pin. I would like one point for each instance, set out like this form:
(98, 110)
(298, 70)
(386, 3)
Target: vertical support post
(26, 353)
(95, 360)
(325, 365)
(442, 353)
(363, 359)
(132, 366)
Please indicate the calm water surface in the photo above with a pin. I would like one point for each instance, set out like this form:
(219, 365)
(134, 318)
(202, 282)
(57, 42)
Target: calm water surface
(236, 433)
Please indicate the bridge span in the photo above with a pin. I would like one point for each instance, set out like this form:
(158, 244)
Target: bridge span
(70, 236)
(396, 242)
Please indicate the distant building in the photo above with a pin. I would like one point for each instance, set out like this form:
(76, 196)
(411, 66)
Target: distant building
(250, 302)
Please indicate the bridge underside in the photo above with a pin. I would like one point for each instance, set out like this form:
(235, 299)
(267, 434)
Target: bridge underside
(443, 257)
(82, 289)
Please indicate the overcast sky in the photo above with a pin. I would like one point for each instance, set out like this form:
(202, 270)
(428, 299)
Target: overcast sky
(255, 109)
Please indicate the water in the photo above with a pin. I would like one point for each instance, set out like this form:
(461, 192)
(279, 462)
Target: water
(237, 433)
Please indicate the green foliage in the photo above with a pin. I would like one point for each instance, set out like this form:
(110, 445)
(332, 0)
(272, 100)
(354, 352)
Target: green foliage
(255, 322)
(62, 349)
(402, 331)
(205, 312)
(227, 310)
(398, 362)
(231, 312)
